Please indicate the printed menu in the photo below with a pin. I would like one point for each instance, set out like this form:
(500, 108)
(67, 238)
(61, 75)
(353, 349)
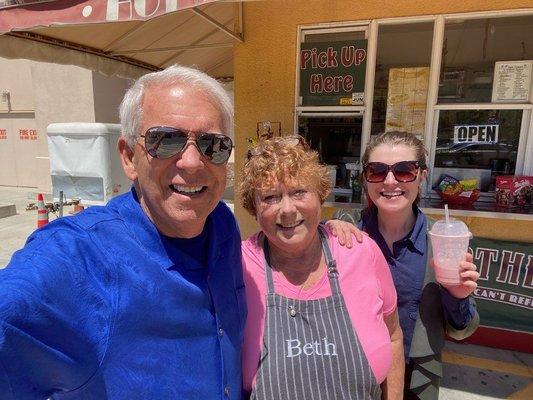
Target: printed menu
(406, 100)
(512, 81)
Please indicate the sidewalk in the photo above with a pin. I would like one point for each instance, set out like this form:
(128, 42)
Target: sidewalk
(470, 372)
(16, 228)
(481, 373)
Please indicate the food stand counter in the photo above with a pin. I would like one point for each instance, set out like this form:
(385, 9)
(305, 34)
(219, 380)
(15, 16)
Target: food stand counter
(503, 252)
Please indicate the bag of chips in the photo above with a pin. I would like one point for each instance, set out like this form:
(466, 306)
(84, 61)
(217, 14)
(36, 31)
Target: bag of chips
(454, 191)
(449, 185)
(469, 184)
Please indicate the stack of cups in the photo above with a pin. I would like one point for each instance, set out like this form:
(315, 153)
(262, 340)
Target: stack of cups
(449, 241)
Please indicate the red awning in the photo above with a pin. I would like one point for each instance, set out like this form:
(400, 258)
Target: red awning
(123, 37)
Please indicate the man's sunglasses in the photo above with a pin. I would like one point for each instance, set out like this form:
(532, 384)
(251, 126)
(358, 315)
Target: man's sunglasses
(403, 171)
(165, 142)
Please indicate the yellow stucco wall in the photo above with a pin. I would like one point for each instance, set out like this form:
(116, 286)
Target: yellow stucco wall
(516, 231)
(500, 229)
(265, 69)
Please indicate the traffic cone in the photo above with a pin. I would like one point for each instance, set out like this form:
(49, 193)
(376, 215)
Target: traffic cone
(42, 212)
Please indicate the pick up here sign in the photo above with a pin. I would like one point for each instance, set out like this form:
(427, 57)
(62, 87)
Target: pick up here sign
(332, 73)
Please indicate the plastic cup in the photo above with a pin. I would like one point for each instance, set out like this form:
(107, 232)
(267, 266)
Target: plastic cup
(449, 241)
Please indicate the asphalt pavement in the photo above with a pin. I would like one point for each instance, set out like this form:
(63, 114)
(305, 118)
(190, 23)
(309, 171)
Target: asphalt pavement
(470, 372)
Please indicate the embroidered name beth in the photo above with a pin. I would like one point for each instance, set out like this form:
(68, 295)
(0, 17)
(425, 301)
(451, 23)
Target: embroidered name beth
(320, 348)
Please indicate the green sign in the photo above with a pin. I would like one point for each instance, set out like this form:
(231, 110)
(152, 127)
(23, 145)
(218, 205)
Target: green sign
(333, 73)
(504, 295)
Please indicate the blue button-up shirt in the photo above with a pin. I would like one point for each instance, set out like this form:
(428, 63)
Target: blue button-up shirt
(101, 306)
(407, 263)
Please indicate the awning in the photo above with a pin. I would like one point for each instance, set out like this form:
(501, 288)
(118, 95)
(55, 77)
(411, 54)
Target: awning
(123, 37)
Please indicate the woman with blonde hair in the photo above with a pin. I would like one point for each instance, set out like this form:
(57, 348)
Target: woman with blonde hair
(322, 319)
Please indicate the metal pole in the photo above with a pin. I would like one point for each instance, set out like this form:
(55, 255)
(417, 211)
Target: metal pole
(60, 203)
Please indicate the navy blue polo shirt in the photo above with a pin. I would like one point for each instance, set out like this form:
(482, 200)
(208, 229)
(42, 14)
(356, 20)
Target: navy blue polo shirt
(101, 306)
(407, 263)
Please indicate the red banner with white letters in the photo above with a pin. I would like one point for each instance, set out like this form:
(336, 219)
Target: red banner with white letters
(66, 12)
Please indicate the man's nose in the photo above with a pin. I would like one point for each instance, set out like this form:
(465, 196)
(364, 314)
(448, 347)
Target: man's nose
(390, 179)
(190, 157)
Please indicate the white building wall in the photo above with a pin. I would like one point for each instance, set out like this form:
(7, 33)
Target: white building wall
(17, 112)
(41, 94)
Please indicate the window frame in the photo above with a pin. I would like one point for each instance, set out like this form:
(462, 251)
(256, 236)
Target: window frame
(334, 111)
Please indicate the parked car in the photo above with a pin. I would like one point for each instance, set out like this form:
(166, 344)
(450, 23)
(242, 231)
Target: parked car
(476, 155)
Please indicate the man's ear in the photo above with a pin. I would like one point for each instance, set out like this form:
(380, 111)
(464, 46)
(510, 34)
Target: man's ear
(126, 158)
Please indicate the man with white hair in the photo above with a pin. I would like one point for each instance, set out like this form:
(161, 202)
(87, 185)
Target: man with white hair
(142, 298)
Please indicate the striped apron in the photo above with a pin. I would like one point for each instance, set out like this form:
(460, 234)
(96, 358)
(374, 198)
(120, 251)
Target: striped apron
(310, 348)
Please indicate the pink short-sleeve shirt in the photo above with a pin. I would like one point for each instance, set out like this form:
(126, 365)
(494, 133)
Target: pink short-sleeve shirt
(365, 283)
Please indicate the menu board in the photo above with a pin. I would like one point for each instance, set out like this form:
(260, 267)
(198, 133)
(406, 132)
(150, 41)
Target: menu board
(406, 100)
(512, 81)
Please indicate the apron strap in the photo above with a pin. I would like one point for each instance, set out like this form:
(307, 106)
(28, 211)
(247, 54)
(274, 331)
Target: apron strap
(333, 273)
(330, 262)
(268, 269)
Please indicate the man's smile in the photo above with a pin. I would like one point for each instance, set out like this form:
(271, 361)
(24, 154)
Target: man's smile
(187, 190)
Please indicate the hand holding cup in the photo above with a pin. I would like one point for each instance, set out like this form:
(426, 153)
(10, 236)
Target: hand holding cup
(449, 242)
(468, 278)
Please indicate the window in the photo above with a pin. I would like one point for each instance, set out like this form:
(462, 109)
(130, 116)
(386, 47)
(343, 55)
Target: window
(403, 54)
(330, 105)
(479, 133)
(477, 144)
(470, 50)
